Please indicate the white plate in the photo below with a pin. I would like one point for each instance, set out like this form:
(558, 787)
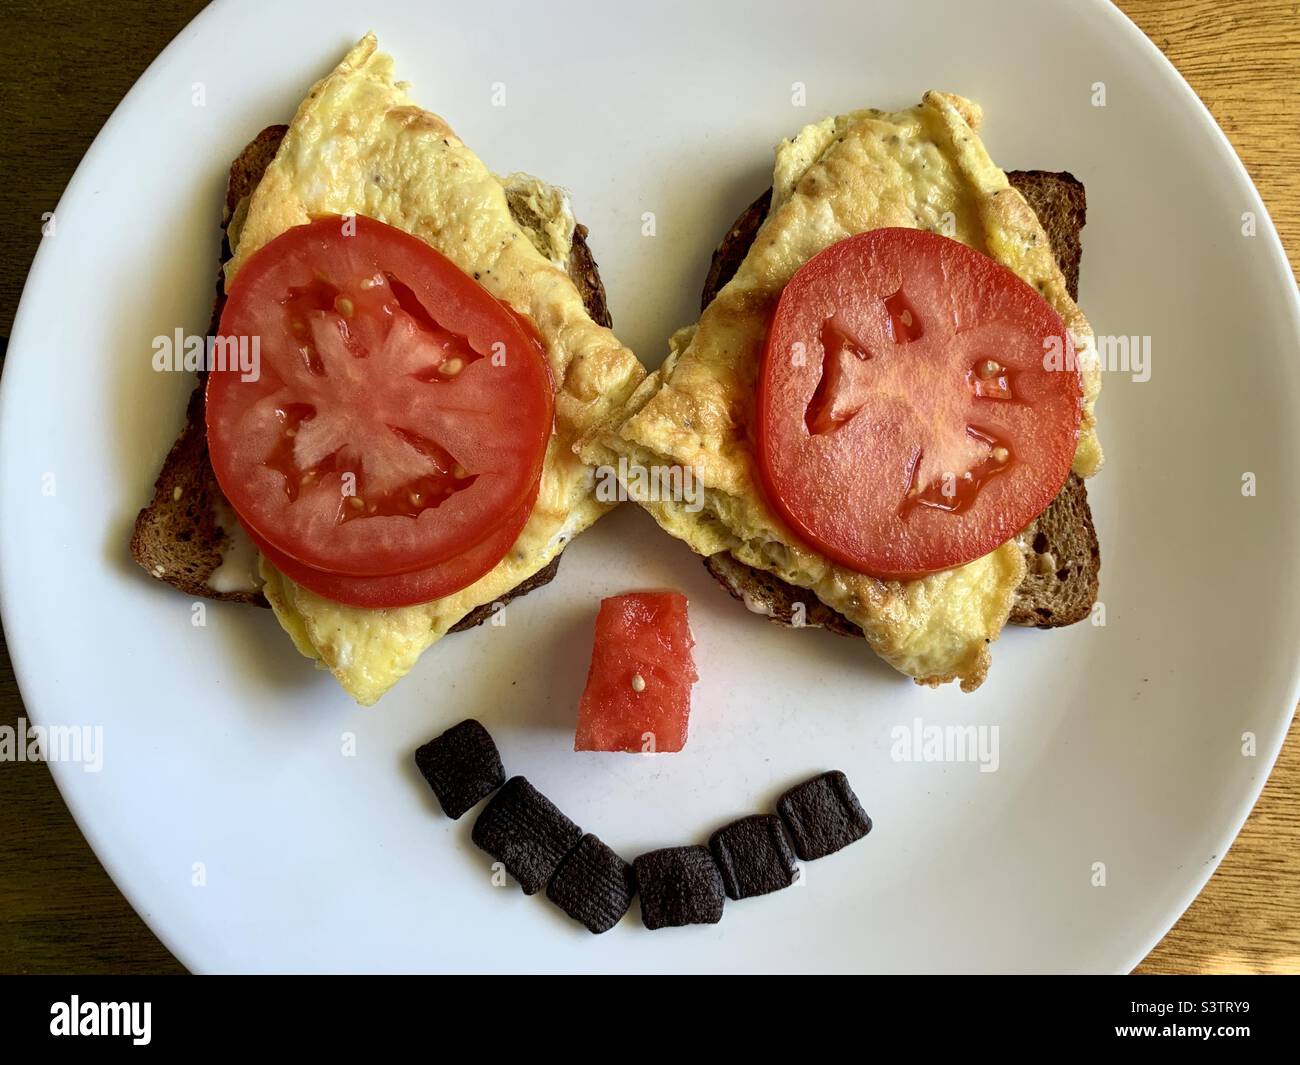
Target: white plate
(1119, 744)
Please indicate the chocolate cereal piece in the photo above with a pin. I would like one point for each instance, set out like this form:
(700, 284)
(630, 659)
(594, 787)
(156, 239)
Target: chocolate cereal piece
(462, 767)
(823, 815)
(679, 886)
(754, 856)
(593, 885)
(521, 828)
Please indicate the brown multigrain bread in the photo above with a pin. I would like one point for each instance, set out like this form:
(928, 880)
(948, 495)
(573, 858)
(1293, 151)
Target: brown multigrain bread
(1062, 562)
(1062, 556)
(178, 537)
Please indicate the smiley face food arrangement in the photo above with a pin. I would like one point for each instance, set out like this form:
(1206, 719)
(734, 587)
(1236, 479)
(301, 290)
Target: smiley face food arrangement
(889, 402)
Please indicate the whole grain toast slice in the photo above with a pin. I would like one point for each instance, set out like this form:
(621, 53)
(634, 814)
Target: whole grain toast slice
(179, 537)
(1062, 555)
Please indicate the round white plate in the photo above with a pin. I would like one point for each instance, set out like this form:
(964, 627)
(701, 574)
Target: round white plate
(226, 809)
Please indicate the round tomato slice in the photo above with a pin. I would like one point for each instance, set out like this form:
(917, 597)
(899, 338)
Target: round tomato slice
(918, 404)
(404, 589)
(395, 413)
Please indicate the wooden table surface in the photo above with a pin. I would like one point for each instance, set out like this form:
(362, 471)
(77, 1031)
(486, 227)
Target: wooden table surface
(61, 76)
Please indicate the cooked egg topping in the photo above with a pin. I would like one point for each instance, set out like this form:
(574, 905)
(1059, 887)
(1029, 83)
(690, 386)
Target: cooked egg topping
(359, 145)
(921, 168)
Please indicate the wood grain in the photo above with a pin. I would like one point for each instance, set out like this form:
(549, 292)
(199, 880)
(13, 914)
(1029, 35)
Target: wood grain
(1243, 59)
(60, 79)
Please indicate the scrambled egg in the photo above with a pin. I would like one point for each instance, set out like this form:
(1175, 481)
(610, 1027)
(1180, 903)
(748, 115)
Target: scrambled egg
(923, 168)
(358, 144)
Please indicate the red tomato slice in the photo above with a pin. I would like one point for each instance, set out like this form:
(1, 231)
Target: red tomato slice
(404, 589)
(645, 635)
(400, 416)
(918, 404)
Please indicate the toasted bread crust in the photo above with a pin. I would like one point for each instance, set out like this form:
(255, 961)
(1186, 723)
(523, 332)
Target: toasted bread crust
(734, 247)
(585, 275)
(177, 538)
(769, 596)
(1062, 562)
(1062, 554)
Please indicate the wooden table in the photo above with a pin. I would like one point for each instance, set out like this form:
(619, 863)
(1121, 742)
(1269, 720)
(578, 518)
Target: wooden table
(59, 912)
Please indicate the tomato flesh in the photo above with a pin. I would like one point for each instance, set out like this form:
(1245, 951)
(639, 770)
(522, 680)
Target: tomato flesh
(404, 589)
(400, 416)
(918, 404)
(638, 693)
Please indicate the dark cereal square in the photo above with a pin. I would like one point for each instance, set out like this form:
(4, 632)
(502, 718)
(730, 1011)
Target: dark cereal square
(754, 856)
(679, 886)
(521, 828)
(462, 767)
(823, 815)
(593, 885)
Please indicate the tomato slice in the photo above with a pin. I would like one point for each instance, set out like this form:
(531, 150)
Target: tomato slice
(400, 414)
(404, 589)
(918, 404)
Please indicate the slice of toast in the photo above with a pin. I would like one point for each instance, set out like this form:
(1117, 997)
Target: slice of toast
(1062, 556)
(179, 537)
